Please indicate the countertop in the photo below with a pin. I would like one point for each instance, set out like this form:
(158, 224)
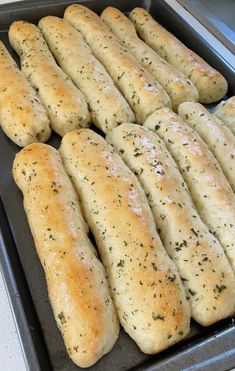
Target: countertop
(11, 356)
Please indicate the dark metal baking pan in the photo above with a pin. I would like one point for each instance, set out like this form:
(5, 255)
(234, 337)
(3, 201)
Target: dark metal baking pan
(209, 348)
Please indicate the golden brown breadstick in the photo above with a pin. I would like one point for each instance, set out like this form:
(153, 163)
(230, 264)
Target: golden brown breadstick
(76, 280)
(177, 85)
(225, 111)
(64, 103)
(145, 284)
(141, 90)
(210, 84)
(108, 107)
(215, 134)
(22, 116)
(209, 188)
(199, 257)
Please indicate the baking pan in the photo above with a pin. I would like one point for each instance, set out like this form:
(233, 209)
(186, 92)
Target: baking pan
(208, 349)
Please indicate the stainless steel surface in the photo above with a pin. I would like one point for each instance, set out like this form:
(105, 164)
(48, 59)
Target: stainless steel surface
(217, 16)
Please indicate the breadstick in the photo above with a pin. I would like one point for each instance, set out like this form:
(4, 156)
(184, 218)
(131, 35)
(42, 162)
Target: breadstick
(108, 107)
(22, 116)
(225, 111)
(210, 84)
(76, 281)
(145, 284)
(179, 87)
(209, 188)
(64, 103)
(200, 259)
(141, 90)
(214, 133)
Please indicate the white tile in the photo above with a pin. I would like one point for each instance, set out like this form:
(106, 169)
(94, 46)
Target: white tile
(11, 356)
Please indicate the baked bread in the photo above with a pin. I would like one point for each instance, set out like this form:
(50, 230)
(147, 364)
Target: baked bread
(22, 116)
(179, 88)
(214, 133)
(107, 105)
(141, 90)
(225, 111)
(208, 186)
(146, 288)
(76, 280)
(210, 84)
(203, 266)
(64, 103)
